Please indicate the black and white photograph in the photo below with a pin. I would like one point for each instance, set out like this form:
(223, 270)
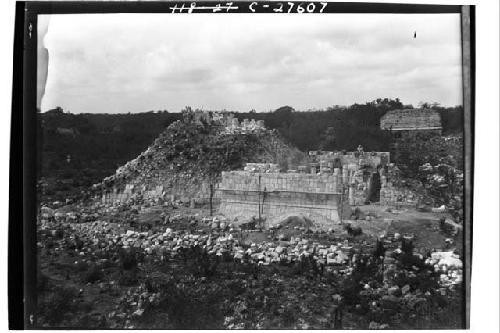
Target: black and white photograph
(288, 166)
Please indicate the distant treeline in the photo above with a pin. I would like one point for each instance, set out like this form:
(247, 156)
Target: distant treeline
(344, 128)
(96, 144)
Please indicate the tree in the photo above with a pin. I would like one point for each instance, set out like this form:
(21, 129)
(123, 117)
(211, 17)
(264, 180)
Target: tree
(57, 111)
(284, 115)
(327, 139)
(187, 114)
(424, 105)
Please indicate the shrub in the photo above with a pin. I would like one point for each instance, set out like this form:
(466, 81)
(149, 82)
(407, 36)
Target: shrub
(42, 281)
(446, 228)
(289, 316)
(407, 246)
(93, 274)
(128, 260)
(193, 307)
(59, 234)
(128, 278)
(82, 266)
(356, 231)
(59, 302)
(379, 250)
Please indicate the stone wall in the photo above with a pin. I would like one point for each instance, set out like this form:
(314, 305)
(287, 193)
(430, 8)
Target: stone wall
(262, 167)
(422, 134)
(294, 182)
(230, 123)
(327, 161)
(360, 170)
(393, 196)
(278, 195)
(160, 187)
(372, 159)
(411, 119)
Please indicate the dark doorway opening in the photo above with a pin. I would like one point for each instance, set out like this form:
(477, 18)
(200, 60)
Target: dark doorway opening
(374, 188)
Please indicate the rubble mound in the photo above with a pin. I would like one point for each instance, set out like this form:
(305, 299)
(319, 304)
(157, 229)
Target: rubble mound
(293, 221)
(189, 155)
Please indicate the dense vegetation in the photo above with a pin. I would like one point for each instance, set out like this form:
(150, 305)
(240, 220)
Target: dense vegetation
(99, 141)
(437, 164)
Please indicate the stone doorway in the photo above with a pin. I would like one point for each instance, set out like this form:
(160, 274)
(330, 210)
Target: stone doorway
(374, 188)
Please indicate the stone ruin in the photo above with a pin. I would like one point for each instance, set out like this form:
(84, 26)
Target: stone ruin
(364, 171)
(410, 122)
(262, 167)
(233, 126)
(230, 123)
(324, 190)
(273, 196)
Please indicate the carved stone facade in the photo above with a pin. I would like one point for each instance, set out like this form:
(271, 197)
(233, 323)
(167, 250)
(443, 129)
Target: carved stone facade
(411, 121)
(323, 191)
(275, 196)
(230, 123)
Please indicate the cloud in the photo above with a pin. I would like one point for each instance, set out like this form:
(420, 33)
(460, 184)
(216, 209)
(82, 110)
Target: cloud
(139, 62)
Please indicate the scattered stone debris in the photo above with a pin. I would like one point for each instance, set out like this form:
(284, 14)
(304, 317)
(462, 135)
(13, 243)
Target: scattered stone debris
(177, 237)
(148, 248)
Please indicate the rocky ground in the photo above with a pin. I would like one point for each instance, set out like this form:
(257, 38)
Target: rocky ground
(169, 266)
(154, 263)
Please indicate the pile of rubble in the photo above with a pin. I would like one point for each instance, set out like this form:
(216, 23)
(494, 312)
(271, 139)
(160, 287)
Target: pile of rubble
(190, 155)
(444, 184)
(397, 191)
(262, 167)
(233, 126)
(221, 240)
(218, 238)
(448, 265)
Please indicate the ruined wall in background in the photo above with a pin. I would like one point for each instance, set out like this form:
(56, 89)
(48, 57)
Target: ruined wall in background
(360, 168)
(278, 195)
(391, 195)
(161, 187)
(411, 120)
(327, 161)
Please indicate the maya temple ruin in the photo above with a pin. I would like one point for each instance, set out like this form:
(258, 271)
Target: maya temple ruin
(324, 189)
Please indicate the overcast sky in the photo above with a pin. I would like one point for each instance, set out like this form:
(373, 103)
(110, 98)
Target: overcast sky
(120, 63)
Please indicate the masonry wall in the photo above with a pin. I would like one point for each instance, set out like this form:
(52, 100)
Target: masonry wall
(160, 188)
(372, 159)
(279, 195)
(411, 119)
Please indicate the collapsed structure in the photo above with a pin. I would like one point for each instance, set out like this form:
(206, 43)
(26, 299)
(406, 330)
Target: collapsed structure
(230, 123)
(324, 190)
(273, 196)
(185, 161)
